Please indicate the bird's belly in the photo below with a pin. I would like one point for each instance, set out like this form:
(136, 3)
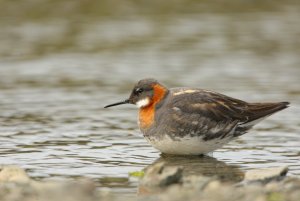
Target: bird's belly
(186, 145)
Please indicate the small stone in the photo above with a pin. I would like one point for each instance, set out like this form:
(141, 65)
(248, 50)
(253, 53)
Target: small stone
(160, 175)
(260, 198)
(273, 186)
(197, 181)
(265, 174)
(213, 186)
(12, 173)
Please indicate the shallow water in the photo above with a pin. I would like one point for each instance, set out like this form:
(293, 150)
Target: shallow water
(51, 102)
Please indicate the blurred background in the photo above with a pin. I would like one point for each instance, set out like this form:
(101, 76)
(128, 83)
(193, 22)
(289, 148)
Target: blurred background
(61, 61)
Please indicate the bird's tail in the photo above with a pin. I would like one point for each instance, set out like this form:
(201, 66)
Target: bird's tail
(259, 111)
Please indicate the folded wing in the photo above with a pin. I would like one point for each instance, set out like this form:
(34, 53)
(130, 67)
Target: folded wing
(213, 115)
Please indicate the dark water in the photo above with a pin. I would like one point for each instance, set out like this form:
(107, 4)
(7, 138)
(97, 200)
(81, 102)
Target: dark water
(57, 73)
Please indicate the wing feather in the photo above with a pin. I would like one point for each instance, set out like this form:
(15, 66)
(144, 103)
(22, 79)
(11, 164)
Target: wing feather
(206, 114)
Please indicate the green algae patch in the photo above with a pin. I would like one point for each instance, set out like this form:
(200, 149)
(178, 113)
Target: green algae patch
(138, 174)
(275, 196)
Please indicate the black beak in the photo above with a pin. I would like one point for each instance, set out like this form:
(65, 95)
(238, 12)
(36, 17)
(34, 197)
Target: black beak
(118, 103)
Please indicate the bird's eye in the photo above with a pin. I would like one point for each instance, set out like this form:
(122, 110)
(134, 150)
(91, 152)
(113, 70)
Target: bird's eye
(139, 90)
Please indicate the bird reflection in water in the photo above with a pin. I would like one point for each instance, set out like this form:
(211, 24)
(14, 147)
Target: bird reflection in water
(195, 166)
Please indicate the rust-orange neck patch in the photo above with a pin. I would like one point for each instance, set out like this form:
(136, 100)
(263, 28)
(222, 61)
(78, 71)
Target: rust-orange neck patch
(146, 114)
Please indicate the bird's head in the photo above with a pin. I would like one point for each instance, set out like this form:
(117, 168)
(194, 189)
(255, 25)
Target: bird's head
(145, 93)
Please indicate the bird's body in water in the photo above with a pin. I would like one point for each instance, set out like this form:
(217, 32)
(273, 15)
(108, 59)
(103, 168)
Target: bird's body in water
(192, 121)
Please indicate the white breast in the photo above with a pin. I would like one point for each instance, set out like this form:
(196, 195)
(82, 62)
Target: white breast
(187, 145)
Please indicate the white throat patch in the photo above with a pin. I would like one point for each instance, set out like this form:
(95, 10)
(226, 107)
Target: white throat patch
(142, 103)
